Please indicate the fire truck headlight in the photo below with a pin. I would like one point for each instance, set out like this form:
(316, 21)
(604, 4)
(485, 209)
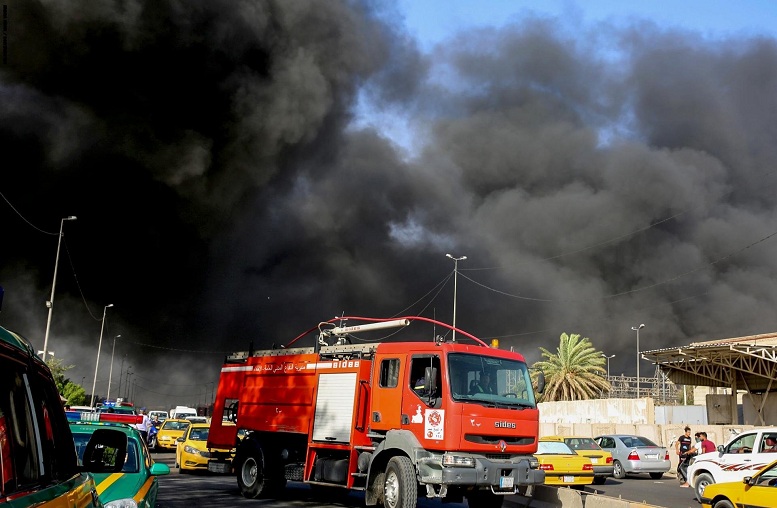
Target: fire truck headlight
(534, 463)
(457, 460)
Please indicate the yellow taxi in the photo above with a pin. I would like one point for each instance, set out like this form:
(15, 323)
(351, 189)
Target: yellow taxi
(192, 453)
(586, 446)
(562, 466)
(757, 490)
(169, 432)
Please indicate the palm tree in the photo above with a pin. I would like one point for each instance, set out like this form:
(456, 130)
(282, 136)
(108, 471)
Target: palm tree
(576, 373)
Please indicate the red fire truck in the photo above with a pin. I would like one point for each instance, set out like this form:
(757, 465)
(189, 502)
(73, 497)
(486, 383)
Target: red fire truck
(392, 418)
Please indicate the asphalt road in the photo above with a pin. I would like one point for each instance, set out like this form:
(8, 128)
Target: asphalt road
(220, 491)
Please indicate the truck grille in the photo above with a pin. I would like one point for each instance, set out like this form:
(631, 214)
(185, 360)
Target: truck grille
(494, 440)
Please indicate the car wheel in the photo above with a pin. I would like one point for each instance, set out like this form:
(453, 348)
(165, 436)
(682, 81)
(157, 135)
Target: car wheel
(599, 480)
(723, 503)
(617, 470)
(702, 481)
(656, 476)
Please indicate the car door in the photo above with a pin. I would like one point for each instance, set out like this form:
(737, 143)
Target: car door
(738, 457)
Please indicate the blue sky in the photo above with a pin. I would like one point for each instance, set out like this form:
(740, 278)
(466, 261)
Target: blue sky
(433, 20)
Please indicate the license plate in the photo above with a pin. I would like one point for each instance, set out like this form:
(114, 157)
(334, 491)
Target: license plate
(594, 461)
(505, 482)
(651, 455)
(218, 467)
(569, 479)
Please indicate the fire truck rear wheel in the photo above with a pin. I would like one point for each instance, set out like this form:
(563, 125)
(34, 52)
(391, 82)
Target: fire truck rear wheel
(254, 475)
(400, 489)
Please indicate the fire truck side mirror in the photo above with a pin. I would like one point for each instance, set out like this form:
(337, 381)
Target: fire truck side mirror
(540, 382)
(430, 378)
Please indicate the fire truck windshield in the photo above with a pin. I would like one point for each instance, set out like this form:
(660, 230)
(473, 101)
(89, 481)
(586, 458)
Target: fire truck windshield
(485, 379)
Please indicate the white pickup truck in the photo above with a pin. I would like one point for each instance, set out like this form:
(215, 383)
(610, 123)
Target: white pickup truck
(744, 455)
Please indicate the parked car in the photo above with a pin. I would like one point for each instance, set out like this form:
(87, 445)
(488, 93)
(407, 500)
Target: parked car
(756, 490)
(192, 453)
(635, 455)
(586, 446)
(172, 429)
(744, 455)
(137, 485)
(562, 465)
(39, 465)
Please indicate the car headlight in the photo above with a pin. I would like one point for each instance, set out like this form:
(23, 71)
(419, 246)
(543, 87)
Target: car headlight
(449, 459)
(127, 502)
(191, 449)
(693, 459)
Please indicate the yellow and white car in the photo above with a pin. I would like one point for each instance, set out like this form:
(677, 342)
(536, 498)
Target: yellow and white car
(757, 490)
(562, 466)
(169, 432)
(586, 446)
(192, 453)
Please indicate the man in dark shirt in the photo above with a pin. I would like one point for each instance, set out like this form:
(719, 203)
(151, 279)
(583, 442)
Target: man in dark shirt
(683, 445)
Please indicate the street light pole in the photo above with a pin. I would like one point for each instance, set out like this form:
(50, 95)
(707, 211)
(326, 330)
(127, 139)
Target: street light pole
(608, 364)
(637, 329)
(99, 347)
(50, 303)
(455, 288)
(110, 376)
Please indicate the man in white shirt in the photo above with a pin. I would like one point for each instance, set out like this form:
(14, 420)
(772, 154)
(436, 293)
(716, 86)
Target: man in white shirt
(143, 425)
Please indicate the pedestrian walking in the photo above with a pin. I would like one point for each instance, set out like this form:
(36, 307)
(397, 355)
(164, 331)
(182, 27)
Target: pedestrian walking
(682, 447)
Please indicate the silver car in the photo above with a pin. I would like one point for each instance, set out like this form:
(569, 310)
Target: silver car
(635, 455)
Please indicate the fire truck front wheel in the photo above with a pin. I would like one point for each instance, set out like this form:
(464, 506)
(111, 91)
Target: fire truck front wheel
(400, 489)
(254, 475)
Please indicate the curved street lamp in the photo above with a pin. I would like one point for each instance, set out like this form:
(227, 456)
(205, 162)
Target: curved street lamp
(637, 329)
(50, 302)
(455, 284)
(99, 346)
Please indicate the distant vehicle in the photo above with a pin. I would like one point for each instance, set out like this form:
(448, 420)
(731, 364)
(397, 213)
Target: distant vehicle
(197, 419)
(171, 430)
(586, 446)
(161, 415)
(756, 490)
(38, 462)
(182, 412)
(635, 455)
(562, 466)
(192, 453)
(744, 455)
(137, 485)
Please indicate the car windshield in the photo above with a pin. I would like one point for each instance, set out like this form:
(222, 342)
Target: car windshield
(131, 463)
(488, 380)
(171, 425)
(553, 448)
(582, 443)
(199, 434)
(636, 441)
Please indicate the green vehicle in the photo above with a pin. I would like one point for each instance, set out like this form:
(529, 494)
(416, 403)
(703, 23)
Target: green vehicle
(136, 485)
(38, 463)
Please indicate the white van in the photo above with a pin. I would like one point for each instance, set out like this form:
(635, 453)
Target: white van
(182, 412)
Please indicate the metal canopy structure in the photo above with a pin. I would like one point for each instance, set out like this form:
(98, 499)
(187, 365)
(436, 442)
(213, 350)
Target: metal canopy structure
(741, 363)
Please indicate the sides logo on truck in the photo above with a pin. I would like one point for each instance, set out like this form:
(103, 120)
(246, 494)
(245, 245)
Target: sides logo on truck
(504, 425)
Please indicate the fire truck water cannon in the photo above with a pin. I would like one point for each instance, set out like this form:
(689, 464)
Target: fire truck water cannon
(342, 332)
(448, 419)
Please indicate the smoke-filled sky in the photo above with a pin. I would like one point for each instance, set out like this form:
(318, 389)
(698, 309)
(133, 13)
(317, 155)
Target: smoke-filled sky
(241, 171)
